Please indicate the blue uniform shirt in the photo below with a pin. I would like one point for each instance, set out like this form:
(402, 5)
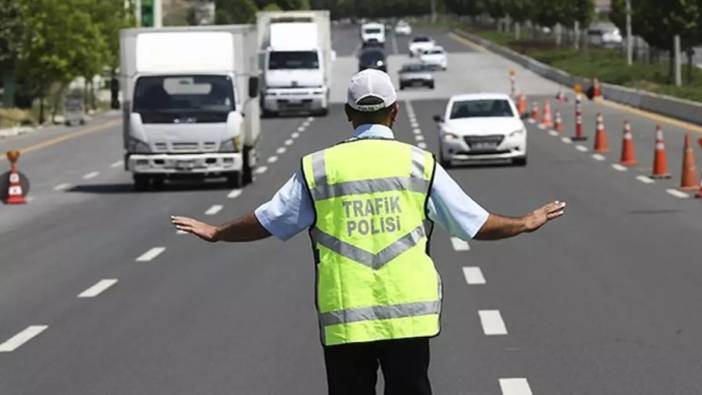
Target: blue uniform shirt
(290, 211)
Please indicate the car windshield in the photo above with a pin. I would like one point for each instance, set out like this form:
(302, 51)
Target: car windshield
(414, 67)
(434, 52)
(372, 30)
(481, 109)
(285, 60)
(421, 40)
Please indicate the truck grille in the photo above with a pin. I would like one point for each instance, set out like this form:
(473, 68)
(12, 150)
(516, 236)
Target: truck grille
(185, 146)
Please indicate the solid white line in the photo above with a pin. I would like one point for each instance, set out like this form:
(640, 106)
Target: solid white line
(645, 180)
(417, 131)
(515, 386)
(235, 193)
(618, 167)
(214, 209)
(117, 164)
(422, 145)
(419, 137)
(151, 254)
(492, 322)
(295, 135)
(19, 339)
(90, 175)
(280, 150)
(98, 288)
(261, 169)
(62, 187)
(677, 194)
(473, 275)
(459, 245)
(566, 140)
(598, 157)
(288, 142)
(272, 159)
(581, 148)
(553, 133)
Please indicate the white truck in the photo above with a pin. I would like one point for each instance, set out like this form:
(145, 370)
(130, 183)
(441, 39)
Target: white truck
(373, 33)
(296, 58)
(190, 103)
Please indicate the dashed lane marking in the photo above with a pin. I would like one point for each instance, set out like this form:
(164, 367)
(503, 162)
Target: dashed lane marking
(419, 137)
(235, 193)
(19, 339)
(566, 140)
(280, 150)
(515, 386)
(542, 126)
(295, 135)
(117, 164)
(531, 121)
(677, 194)
(422, 145)
(473, 275)
(310, 119)
(581, 148)
(301, 129)
(417, 131)
(98, 288)
(62, 187)
(214, 209)
(90, 175)
(492, 322)
(272, 159)
(151, 254)
(645, 180)
(598, 157)
(289, 142)
(553, 133)
(261, 169)
(459, 245)
(618, 167)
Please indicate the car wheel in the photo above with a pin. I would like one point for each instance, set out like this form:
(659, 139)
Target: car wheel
(446, 164)
(520, 161)
(431, 85)
(402, 87)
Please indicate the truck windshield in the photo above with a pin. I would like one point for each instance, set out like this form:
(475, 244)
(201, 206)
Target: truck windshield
(184, 99)
(281, 60)
(372, 30)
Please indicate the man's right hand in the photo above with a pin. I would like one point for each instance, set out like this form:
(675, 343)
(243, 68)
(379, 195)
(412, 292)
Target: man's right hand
(202, 230)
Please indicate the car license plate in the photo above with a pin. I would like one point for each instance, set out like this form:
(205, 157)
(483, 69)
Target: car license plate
(484, 146)
(185, 164)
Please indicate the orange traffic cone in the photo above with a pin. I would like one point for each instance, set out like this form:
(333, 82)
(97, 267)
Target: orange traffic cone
(579, 136)
(522, 105)
(628, 157)
(596, 88)
(547, 119)
(561, 97)
(689, 170)
(558, 122)
(535, 111)
(601, 145)
(15, 195)
(660, 161)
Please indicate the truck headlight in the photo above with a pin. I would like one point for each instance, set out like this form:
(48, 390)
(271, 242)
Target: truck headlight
(137, 146)
(229, 145)
(517, 132)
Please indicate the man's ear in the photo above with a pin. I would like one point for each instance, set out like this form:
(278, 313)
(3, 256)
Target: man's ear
(394, 112)
(347, 110)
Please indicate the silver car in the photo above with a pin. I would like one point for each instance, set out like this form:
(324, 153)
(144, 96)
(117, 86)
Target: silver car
(416, 74)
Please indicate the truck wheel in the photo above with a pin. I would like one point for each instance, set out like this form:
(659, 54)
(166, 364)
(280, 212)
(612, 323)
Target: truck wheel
(521, 161)
(157, 182)
(235, 180)
(323, 112)
(246, 170)
(141, 182)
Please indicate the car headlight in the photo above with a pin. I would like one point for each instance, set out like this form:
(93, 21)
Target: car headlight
(136, 146)
(450, 136)
(517, 132)
(229, 145)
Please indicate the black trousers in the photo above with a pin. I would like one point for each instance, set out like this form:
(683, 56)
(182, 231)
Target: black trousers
(352, 368)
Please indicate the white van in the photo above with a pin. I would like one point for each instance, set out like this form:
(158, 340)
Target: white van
(373, 33)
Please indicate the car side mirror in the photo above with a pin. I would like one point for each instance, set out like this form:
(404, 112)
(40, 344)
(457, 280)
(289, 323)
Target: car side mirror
(253, 87)
(438, 118)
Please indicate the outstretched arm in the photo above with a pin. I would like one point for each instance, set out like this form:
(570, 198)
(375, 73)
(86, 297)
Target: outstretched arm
(500, 227)
(246, 228)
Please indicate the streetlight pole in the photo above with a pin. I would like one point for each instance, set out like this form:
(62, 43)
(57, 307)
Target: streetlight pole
(629, 38)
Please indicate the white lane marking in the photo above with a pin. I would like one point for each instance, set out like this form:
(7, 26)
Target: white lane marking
(542, 127)
(181, 232)
(645, 180)
(414, 124)
(301, 129)
(288, 142)
(581, 148)
(598, 157)
(235, 193)
(62, 187)
(117, 164)
(98, 288)
(566, 140)
(90, 175)
(30, 199)
(310, 119)
(473, 275)
(214, 209)
(492, 322)
(419, 137)
(272, 159)
(417, 131)
(618, 167)
(295, 135)
(459, 245)
(531, 121)
(151, 254)
(677, 194)
(515, 386)
(280, 150)
(553, 133)
(261, 169)
(422, 145)
(19, 339)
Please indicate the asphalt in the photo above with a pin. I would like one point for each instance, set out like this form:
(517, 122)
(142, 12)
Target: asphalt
(602, 301)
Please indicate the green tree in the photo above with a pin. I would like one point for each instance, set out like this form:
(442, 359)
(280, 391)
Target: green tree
(229, 12)
(12, 31)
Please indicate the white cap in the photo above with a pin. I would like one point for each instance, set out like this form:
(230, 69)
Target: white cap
(371, 83)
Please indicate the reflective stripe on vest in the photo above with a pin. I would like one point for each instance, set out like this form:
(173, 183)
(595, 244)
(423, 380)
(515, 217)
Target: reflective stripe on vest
(372, 220)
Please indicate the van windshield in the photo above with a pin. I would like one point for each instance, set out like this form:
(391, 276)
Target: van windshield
(184, 98)
(285, 60)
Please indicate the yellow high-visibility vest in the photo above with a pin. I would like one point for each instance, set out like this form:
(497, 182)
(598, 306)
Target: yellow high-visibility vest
(375, 279)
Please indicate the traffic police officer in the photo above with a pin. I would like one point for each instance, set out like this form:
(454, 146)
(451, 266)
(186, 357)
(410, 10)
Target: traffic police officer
(370, 203)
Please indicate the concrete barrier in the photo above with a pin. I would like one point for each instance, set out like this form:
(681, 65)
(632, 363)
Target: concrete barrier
(685, 110)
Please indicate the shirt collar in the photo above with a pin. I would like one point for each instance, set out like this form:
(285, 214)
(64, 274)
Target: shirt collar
(373, 130)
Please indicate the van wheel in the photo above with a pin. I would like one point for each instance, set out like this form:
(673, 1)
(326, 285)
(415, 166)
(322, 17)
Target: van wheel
(141, 182)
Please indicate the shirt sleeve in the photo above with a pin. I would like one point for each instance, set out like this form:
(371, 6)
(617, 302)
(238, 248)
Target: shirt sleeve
(289, 212)
(452, 208)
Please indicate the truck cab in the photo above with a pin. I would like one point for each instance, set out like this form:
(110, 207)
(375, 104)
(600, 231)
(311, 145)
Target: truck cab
(373, 33)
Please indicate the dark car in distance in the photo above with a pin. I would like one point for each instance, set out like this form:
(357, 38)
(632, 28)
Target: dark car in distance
(372, 58)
